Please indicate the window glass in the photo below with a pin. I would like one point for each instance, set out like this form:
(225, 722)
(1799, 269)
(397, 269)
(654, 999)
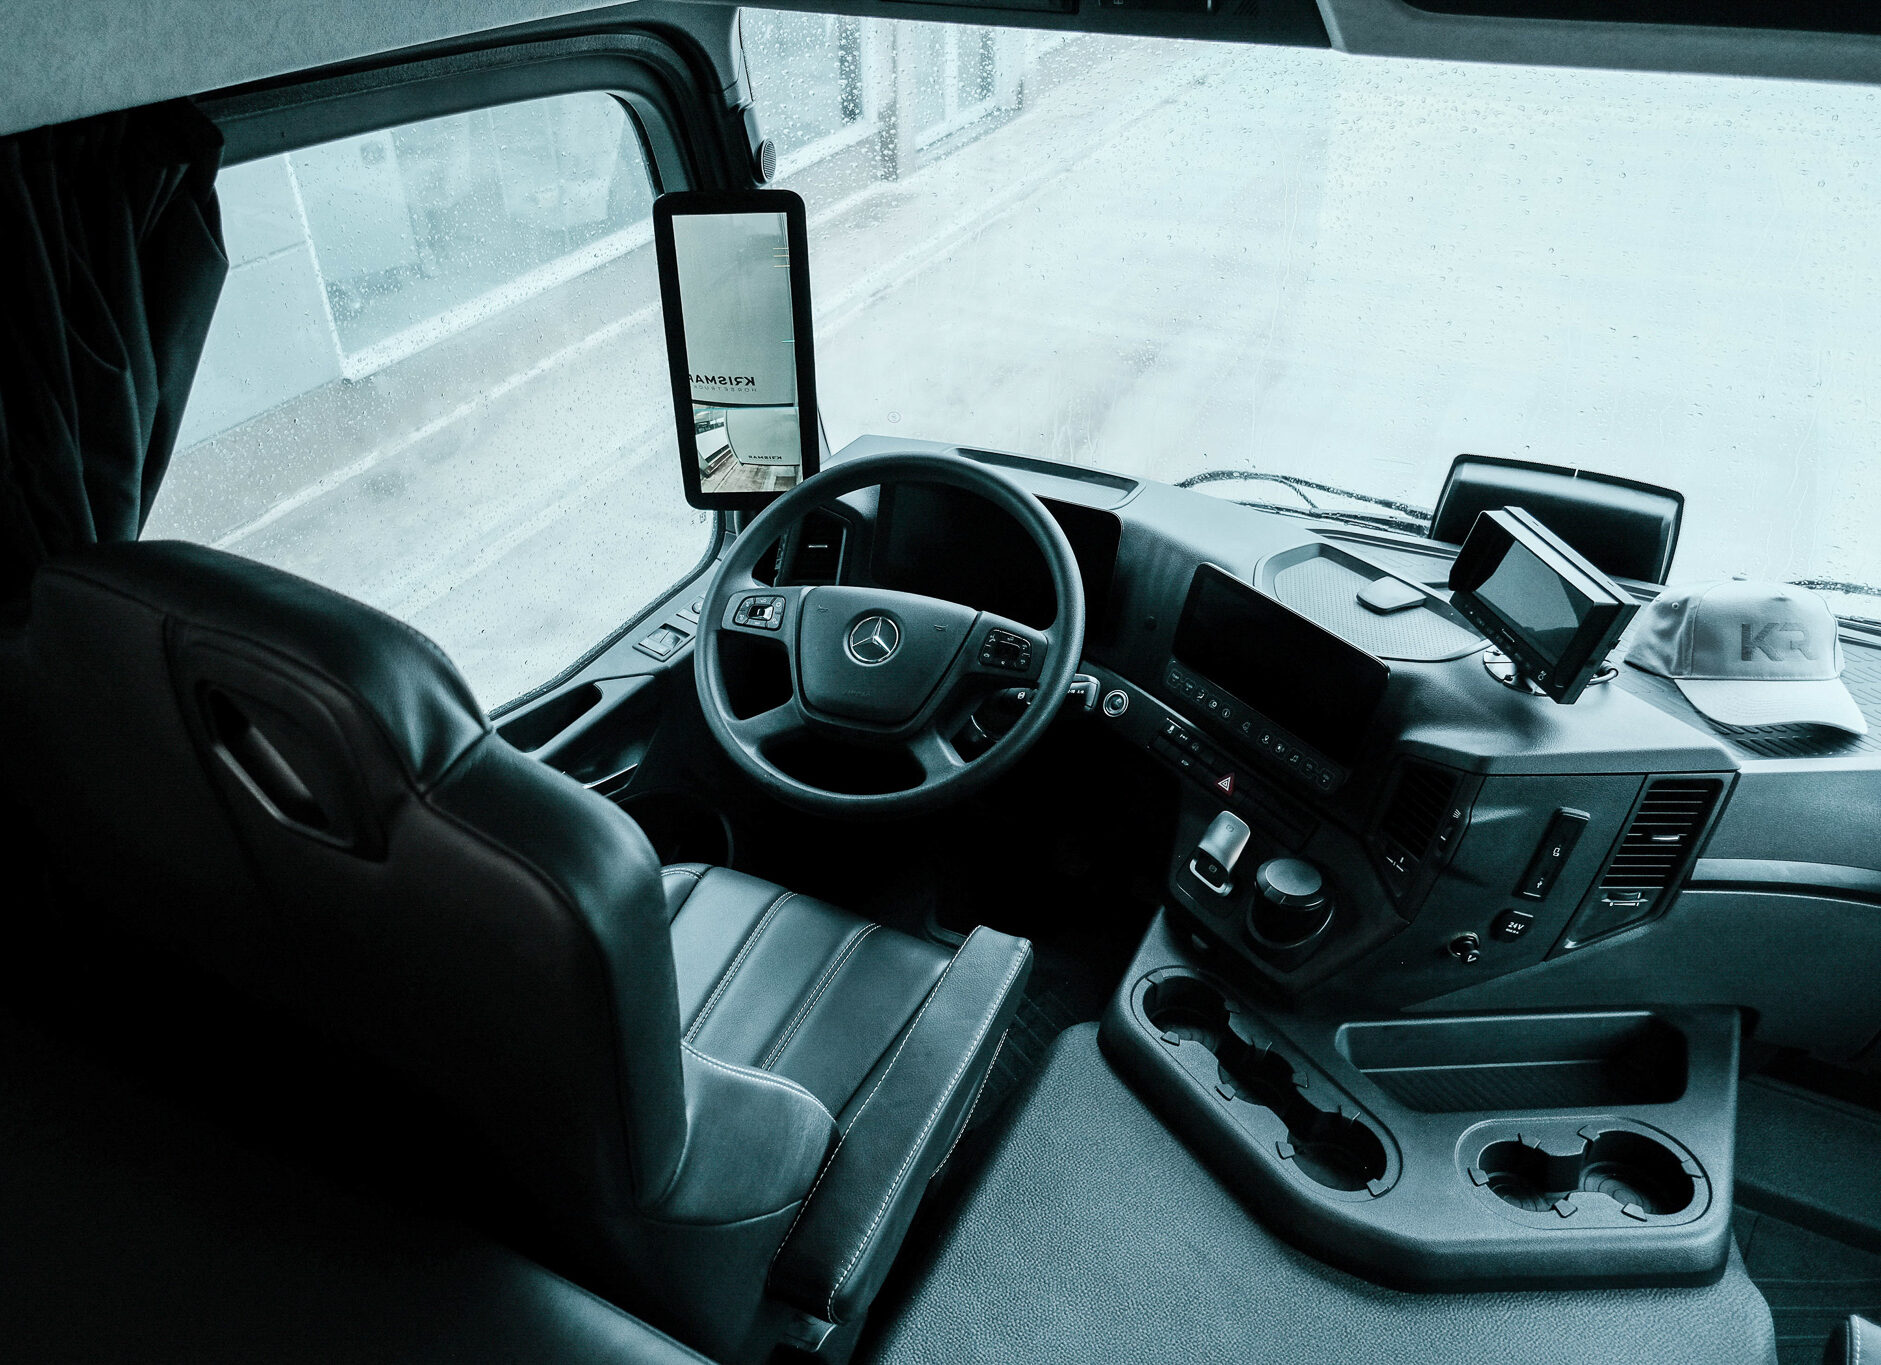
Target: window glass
(436, 381)
(1180, 259)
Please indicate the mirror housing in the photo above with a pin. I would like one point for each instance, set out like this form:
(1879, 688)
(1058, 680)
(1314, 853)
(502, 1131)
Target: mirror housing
(735, 290)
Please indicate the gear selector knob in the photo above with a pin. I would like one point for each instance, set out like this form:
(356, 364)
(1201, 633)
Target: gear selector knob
(1292, 905)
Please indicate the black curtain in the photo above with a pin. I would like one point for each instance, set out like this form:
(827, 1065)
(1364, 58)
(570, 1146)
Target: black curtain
(111, 261)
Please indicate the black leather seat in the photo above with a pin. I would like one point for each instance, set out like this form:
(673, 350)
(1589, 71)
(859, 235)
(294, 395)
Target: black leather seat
(790, 985)
(1854, 1340)
(137, 1232)
(721, 1100)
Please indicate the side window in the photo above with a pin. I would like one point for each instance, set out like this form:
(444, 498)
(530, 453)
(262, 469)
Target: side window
(436, 381)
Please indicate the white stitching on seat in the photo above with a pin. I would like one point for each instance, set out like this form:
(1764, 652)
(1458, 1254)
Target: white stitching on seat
(830, 1162)
(766, 1077)
(999, 997)
(803, 1011)
(744, 950)
(973, 1108)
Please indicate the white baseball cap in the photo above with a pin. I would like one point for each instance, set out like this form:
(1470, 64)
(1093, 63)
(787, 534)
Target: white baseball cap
(1748, 653)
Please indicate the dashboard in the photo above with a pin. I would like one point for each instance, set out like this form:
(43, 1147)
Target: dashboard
(1479, 848)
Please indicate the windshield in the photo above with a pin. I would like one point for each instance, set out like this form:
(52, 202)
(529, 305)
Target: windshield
(1172, 259)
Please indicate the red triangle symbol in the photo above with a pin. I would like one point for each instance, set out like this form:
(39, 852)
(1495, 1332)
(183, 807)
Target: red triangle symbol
(1226, 784)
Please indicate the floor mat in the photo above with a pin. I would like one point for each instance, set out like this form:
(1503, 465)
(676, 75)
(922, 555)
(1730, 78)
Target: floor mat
(1812, 1282)
(1061, 995)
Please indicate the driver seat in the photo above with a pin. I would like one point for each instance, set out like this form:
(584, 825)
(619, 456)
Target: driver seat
(720, 1099)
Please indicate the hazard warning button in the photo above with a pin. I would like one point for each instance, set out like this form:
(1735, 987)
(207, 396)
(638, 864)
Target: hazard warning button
(1225, 784)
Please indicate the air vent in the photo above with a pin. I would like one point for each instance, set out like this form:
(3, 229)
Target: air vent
(1652, 855)
(1422, 818)
(817, 549)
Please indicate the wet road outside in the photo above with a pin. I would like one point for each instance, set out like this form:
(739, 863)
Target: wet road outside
(1162, 258)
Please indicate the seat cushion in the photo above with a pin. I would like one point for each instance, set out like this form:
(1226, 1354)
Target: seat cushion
(790, 984)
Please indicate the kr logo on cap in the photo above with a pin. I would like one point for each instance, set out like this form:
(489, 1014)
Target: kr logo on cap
(1777, 641)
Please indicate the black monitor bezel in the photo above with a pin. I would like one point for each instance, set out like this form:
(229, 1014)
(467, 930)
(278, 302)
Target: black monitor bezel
(692, 203)
(1565, 676)
(1378, 672)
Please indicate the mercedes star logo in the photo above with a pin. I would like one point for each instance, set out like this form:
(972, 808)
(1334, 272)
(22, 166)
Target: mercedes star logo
(874, 640)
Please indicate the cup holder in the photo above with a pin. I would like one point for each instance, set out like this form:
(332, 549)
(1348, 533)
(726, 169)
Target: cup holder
(1334, 1149)
(1331, 1148)
(1191, 1011)
(1644, 1177)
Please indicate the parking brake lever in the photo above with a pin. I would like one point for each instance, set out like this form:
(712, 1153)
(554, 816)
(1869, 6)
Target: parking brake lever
(1220, 849)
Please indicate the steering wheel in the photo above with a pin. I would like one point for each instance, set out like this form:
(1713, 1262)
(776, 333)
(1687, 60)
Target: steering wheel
(891, 669)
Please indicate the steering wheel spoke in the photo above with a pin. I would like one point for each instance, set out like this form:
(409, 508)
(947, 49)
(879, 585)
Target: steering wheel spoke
(767, 727)
(936, 755)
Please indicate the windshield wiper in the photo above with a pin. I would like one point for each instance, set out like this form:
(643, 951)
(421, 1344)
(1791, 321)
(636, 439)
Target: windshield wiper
(1399, 516)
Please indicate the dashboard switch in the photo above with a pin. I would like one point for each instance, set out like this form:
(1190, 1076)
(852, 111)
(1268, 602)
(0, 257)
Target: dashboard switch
(1220, 849)
(1564, 831)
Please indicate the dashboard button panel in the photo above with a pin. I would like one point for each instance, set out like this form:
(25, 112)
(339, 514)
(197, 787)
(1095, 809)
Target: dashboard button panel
(1254, 732)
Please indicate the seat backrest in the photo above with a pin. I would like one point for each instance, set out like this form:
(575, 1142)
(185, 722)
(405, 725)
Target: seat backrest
(301, 793)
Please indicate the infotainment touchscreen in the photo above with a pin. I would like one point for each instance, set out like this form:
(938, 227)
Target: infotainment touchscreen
(1538, 600)
(1281, 668)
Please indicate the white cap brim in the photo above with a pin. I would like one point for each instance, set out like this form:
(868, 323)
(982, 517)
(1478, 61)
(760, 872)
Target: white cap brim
(1747, 701)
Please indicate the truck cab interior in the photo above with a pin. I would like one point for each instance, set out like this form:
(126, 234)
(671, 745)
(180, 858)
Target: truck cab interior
(1039, 681)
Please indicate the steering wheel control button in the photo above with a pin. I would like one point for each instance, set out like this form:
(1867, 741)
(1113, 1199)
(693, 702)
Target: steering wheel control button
(1003, 649)
(1557, 845)
(760, 613)
(1511, 925)
(1116, 702)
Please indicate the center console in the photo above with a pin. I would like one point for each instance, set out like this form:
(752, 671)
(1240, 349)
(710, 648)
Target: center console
(1538, 1149)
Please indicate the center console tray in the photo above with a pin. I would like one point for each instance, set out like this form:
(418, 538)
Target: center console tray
(1524, 1150)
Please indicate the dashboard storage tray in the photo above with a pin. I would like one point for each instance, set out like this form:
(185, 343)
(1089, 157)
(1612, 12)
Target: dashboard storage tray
(1521, 1062)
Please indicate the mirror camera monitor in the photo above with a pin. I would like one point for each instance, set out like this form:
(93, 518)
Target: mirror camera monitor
(1553, 613)
(735, 290)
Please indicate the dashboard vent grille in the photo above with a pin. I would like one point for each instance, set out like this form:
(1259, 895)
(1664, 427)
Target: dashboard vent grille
(1653, 854)
(1418, 808)
(1659, 840)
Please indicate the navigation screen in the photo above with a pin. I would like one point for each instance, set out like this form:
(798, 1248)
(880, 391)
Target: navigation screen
(1535, 599)
(1292, 670)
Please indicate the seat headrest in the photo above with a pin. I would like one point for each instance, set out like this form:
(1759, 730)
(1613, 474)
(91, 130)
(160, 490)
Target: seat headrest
(403, 682)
